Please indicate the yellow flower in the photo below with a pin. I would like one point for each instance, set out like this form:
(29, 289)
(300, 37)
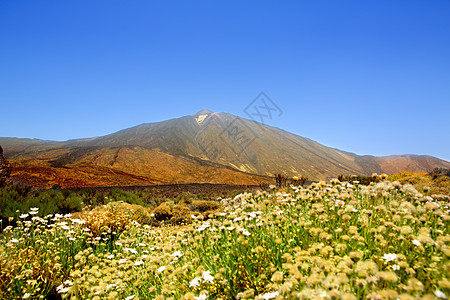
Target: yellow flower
(277, 276)
(388, 276)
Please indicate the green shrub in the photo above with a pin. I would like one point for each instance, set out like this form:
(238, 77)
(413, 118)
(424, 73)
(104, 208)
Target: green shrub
(16, 200)
(187, 196)
(121, 195)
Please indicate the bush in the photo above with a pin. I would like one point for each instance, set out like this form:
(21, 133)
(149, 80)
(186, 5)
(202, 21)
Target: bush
(364, 180)
(55, 201)
(163, 212)
(121, 195)
(17, 199)
(203, 206)
(11, 200)
(424, 182)
(437, 172)
(107, 220)
(188, 196)
(180, 215)
(168, 213)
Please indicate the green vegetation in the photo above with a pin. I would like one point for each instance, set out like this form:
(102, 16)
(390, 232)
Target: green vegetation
(328, 241)
(16, 199)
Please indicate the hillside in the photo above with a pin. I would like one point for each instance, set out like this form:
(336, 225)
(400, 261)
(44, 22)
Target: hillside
(205, 147)
(251, 147)
(123, 166)
(232, 141)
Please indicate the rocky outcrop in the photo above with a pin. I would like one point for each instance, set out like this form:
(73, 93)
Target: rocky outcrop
(5, 170)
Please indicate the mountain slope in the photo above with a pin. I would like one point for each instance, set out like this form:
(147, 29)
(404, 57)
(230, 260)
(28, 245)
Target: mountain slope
(231, 141)
(120, 166)
(17, 146)
(205, 147)
(251, 147)
(417, 163)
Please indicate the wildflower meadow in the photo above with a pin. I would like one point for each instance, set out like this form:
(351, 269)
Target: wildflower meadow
(340, 240)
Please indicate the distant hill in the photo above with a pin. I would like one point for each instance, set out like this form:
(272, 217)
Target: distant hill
(205, 147)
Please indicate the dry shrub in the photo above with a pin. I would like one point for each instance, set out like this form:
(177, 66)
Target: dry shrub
(163, 212)
(204, 206)
(109, 219)
(181, 215)
(173, 214)
(137, 212)
(423, 182)
(209, 214)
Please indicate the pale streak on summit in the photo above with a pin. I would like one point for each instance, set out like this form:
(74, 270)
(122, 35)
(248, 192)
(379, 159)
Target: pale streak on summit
(200, 119)
(203, 115)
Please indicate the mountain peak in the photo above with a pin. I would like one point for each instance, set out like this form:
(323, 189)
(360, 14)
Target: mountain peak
(203, 112)
(202, 115)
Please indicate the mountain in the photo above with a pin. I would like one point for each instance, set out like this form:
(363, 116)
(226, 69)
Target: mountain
(204, 147)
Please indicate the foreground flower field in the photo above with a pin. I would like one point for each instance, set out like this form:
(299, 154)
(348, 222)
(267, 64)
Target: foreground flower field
(327, 241)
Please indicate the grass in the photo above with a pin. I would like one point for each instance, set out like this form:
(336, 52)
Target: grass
(328, 241)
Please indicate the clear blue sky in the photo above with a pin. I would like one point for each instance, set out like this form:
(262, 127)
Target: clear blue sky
(369, 77)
